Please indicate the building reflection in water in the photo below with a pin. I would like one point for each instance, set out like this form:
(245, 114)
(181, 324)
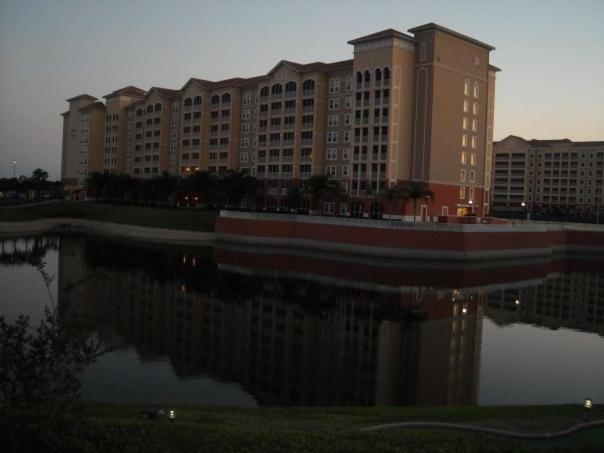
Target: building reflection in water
(286, 339)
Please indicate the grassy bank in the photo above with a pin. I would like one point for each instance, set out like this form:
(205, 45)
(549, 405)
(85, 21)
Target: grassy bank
(111, 427)
(172, 218)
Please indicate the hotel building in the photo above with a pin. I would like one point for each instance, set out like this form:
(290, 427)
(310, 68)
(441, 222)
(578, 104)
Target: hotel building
(548, 174)
(406, 107)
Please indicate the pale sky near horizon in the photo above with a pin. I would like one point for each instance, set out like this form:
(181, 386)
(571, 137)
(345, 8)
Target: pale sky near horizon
(551, 54)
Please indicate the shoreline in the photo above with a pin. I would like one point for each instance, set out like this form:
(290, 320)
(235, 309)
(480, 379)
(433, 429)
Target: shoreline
(120, 230)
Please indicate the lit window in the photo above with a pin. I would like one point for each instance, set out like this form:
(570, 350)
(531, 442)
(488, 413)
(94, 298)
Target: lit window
(464, 123)
(466, 87)
(466, 106)
(475, 125)
(462, 176)
(474, 142)
(464, 157)
(462, 193)
(464, 140)
(475, 92)
(473, 159)
(475, 108)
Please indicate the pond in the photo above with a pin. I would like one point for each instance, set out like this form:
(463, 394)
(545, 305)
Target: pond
(240, 326)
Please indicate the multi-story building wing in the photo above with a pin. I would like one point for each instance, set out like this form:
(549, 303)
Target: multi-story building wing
(116, 127)
(548, 175)
(149, 128)
(405, 108)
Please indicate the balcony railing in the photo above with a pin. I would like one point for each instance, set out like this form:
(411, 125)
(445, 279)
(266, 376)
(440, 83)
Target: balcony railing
(307, 141)
(288, 142)
(308, 93)
(306, 158)
(290, 94)
(289, 110)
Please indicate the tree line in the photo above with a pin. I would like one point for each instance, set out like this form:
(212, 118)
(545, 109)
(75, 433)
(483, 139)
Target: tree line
(35, 186)
(234, 189)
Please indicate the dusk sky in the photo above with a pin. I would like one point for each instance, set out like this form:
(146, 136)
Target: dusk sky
(551, 54)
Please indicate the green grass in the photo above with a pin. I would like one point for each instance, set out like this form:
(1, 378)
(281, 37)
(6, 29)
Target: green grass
(330, 429)
(159, 217)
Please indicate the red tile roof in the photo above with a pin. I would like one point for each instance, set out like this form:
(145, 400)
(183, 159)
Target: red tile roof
(384, 34)
(130, 90)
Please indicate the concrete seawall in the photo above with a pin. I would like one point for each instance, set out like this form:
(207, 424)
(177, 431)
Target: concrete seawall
(54, 225)
(404, 240)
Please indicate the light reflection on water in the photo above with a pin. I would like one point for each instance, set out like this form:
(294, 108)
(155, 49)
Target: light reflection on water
(242, 326)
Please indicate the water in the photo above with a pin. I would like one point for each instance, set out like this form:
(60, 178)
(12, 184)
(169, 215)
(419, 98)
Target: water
(245, 326)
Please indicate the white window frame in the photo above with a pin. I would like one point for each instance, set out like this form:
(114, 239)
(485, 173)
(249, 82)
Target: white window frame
(334, 104)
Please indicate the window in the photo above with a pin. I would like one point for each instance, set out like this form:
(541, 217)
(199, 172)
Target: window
(347, 119)
(330, 170)
(472, 179)
(245, 114)
(473, 159)
(328, 207)
(464, 140)
(332, 153)
(466, 106)
(332, 137)
(464, 157)
(462, 176)
(333, 120)
(334, 104)
(345, 153)
(422, 52)
(348, 83)
(346, 136)
(474, 142)
(348, 102)
(475, 125)
(245, 142)
(464, 123)
(344, 171)
(245, 128)
(475, 91)
(476, 61)
(343, 208)
(334, 86)
(308, 85)
(466, 87)
(247, 98)
(462, 193)
(471, 193)
(226, 98)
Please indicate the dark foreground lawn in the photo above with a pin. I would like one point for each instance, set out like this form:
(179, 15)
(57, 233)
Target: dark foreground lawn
(177, 219)
(109, 427)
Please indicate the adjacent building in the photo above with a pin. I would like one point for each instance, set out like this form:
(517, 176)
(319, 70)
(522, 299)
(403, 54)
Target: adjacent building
(406, 107)
(557, 176)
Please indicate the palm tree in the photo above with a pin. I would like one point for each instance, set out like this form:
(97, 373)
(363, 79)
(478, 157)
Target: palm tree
(38, 180)
(391, 195)
(416, 190)
(293, 198)
(320, 186)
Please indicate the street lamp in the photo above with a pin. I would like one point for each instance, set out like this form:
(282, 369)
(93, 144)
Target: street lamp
(14, 168)
(171, 415)
(587, 403)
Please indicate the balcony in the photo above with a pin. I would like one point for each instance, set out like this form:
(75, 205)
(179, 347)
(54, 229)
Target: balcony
(306, 141)
(306, 158)
(275, 143)
(288, 143)
(263, 98)
(308, 93)
(289, 127)
(276, 96)
(308, 109)
(290, 94)
(275, 127)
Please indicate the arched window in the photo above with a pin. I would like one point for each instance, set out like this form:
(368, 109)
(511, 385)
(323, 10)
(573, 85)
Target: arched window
(226, 98)
(215, 99)
(359, 78)
(149, 108)
(197, 100)
(264, 91)
(308, 85)
(378, 75)
(367, 77)
(466, 87)
(386, 74)
(290, 87)
(158, 107)
(277, 89)
(475, 89)
(187, 102)
(139, 112)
